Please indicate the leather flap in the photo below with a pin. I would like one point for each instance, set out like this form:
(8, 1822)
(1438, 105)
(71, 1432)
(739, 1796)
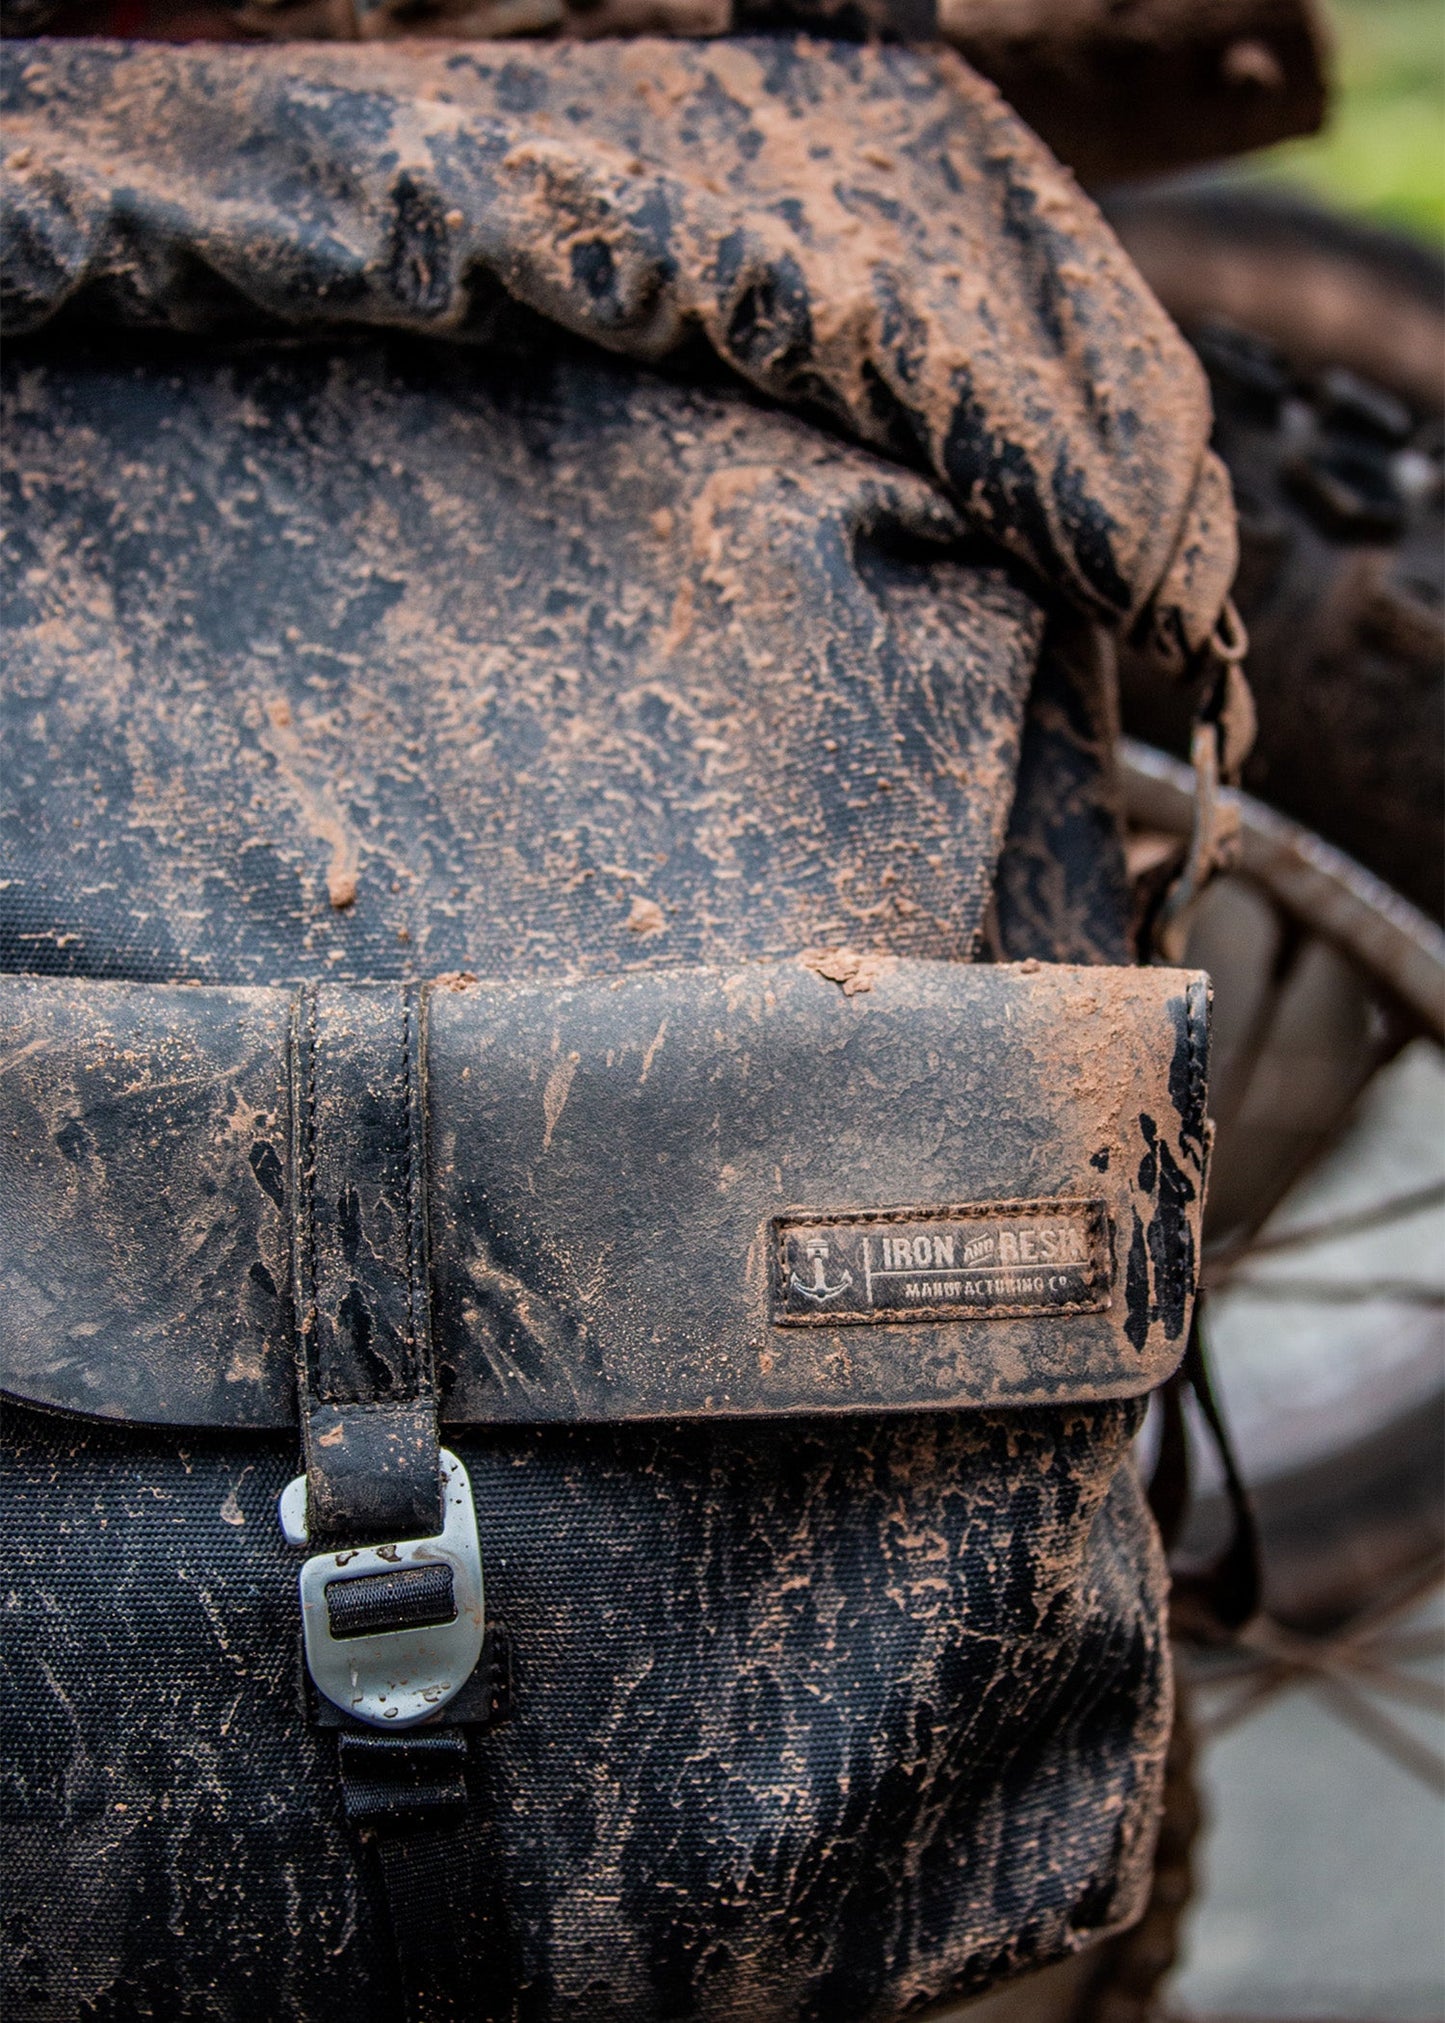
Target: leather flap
(679, 1192)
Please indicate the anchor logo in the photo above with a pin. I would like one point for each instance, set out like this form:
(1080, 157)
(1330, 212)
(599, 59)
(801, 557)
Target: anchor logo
(818, 1251)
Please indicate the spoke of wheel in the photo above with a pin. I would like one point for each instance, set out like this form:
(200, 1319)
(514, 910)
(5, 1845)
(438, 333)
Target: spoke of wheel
(1312, 1156)
(1334, 1292)
(1227, 1104)
(1265, 1685)
(1243, 1240)
(1268, 1656)
(1399, 1685)
(1353, 1671)
(1410, 1644)
(1350, 1222)
(1378, 1727)
(1396, 1601)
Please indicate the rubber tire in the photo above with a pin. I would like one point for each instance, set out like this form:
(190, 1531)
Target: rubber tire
(1344, 599)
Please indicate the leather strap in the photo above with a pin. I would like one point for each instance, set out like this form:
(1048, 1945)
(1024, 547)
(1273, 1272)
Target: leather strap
(369, 1429)
(366, 1384)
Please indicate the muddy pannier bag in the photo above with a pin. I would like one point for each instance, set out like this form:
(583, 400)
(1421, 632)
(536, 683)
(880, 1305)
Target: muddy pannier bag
(591, 1195)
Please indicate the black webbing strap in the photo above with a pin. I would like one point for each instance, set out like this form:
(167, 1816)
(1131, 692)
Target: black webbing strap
(408, 1795)
(1220, 1597)
(369, 1431)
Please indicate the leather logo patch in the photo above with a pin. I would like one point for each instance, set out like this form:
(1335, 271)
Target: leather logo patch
(988, 1260)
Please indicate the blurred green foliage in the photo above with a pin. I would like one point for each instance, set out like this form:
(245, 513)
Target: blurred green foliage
(1382, 154)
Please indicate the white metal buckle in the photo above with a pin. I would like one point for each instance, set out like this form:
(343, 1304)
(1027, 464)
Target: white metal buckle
(393, 1678)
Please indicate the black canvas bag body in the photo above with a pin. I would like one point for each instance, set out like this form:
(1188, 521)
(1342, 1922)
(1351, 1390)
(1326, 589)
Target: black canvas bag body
(564, 920)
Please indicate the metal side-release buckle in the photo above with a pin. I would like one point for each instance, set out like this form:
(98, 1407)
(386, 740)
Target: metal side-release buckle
(393, 1631)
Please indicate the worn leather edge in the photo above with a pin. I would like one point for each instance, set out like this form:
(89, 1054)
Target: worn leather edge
(199, 1329)
(366, 1394)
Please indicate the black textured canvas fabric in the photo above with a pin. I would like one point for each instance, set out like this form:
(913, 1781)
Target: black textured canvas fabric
(361, 664)
(810, 1721)
(870, 234)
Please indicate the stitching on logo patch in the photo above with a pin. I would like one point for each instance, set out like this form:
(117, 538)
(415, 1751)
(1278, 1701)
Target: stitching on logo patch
(991, 1260)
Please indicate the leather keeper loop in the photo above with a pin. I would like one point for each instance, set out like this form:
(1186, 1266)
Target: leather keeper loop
(366, 1390)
